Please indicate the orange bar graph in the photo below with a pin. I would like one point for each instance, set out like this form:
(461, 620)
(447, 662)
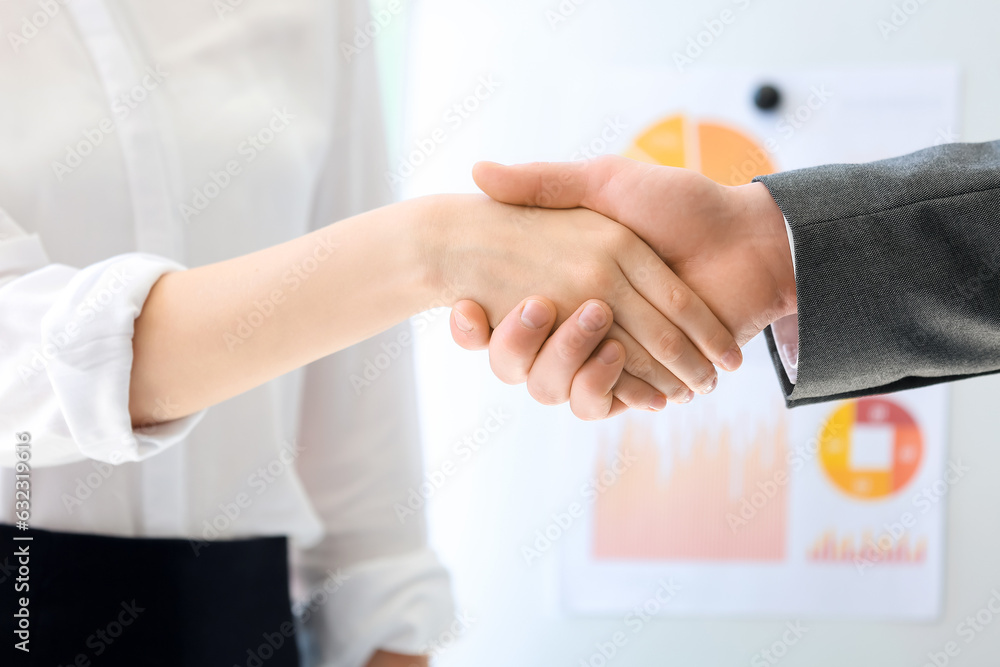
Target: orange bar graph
(692, 511)
(886, 549)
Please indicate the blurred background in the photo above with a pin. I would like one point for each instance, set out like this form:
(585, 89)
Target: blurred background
(543, 572)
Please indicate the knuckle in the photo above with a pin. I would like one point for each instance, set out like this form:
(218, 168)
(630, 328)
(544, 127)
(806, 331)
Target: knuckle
(703, 375)
(671, 345)
(720, 340)
(589, 385)
(567, 348)
(638, 364)
(619, 234)
(597, 277)
(617, 239)
(678, 393)
(679, 298)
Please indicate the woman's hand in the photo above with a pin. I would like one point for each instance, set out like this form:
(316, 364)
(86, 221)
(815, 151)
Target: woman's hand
(666, 338)
(209, 333)
(563, 365)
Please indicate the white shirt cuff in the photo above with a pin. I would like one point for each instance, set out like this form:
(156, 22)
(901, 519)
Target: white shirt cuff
(791, 241)
(91, 325)
(786, 330)
(786, 339)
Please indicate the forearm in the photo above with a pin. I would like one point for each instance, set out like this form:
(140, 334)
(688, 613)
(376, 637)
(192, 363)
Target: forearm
(210, 333)
(897, 280)
(385, 659)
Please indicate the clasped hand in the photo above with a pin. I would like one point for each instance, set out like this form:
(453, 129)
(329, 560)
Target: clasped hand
(713, 268)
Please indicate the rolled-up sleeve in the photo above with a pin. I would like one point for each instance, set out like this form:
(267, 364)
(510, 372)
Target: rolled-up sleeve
(361, 466)
(66, 355)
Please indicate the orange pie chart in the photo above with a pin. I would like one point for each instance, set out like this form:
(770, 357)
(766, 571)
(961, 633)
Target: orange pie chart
(871, 448)
(724, 154)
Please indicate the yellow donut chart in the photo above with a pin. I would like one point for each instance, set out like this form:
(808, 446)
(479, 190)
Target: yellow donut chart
(871, 448)
(722, 153)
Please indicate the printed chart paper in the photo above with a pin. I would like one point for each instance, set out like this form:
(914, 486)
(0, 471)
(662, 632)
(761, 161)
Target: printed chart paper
(752, 509)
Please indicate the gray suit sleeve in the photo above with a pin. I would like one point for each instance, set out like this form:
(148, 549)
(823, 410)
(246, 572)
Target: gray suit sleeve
(897, 271)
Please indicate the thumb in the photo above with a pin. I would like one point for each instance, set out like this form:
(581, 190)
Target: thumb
(469, 326)
(544, 184)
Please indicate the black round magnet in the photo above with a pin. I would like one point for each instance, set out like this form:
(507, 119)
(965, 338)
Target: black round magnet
(767, 98)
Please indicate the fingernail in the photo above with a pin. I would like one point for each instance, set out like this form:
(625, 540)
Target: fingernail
(609, 354)
(710, 387)
(593, 318)
(534, 315)
(686, 398)
(658, 403)
(462, 322)
(731, 360)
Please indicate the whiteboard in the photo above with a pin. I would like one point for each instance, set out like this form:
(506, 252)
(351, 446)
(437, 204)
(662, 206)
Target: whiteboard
(482, 512)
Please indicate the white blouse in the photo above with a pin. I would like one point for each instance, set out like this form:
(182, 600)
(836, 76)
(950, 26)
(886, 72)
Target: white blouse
(141, 137)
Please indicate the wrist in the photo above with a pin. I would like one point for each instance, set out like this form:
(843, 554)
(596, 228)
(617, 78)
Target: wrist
(760, 215)
(428, 222)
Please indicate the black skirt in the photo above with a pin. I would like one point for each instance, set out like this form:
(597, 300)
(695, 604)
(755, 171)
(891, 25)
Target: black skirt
(87, 600)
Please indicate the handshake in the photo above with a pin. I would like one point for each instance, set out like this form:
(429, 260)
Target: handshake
(656, 275)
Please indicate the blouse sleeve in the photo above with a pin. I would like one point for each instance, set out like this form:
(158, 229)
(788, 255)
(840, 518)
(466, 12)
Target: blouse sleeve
(66, 355)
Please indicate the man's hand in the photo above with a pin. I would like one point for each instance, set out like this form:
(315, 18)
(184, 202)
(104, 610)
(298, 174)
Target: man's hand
(729, 244)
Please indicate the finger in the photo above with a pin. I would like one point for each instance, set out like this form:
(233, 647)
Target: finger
(636, 393)
(563, 354)
(591, 394)
(642, 366)
(685, 310)
(518, 338)
(545, 184)
(560, 184)
(470, 327)
(667, 344)
(601, 389)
